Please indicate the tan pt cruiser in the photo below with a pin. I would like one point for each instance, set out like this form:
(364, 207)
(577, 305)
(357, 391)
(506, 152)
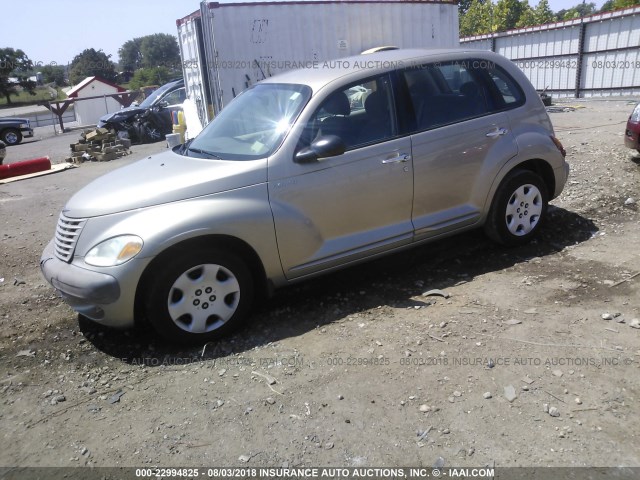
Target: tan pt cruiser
(304, 173)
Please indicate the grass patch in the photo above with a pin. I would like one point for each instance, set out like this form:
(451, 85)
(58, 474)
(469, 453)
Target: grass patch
(23, 98)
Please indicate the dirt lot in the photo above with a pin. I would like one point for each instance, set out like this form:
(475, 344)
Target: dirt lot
(367, 370)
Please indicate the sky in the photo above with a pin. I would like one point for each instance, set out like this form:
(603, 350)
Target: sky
(57, 31)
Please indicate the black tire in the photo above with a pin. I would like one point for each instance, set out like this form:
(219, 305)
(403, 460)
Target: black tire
(11, 136)
(519, 208)
(152, 133)
(199, 296)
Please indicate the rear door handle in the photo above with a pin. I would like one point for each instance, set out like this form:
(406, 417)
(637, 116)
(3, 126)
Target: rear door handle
(498, 132)
(400, 158)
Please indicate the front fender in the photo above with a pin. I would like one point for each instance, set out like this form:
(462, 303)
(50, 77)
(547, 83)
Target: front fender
(242, 213)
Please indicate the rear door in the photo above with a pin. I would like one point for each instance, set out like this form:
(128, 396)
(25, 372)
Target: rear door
(461, 137)
(351, 206)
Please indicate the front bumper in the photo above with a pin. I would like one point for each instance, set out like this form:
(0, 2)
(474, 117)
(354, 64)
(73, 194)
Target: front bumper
(27, 132)
(87, 292)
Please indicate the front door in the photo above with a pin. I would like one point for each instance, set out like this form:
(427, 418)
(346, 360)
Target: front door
(351, 206)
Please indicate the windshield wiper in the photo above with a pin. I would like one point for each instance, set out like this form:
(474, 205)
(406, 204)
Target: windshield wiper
(185, 146)
(204, 152)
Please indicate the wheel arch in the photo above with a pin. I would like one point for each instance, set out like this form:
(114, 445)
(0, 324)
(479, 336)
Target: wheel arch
(536, 165)
(263, 287)
(542, 168)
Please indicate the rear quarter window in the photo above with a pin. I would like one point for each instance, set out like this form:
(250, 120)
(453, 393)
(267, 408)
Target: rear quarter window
(506, 90)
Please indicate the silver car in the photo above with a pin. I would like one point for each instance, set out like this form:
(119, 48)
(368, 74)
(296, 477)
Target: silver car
(304, 173)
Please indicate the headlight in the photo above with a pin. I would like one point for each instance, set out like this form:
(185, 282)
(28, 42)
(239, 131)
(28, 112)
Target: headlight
(635, 116)
(24, 125)
(114, 251)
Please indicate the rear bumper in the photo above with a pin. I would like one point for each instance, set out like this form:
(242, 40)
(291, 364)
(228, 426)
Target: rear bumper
(566, 170)
(632, 135)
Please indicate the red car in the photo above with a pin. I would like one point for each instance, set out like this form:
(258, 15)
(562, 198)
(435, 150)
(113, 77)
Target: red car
(632, 133)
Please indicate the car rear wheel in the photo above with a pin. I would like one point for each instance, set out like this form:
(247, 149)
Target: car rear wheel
(519, 208)
(199, 296)
(11, 136)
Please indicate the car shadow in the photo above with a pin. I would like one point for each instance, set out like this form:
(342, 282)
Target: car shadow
(27, 141)
(394, 280)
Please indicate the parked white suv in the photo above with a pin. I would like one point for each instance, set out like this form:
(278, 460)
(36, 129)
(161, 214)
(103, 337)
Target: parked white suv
(304, 173)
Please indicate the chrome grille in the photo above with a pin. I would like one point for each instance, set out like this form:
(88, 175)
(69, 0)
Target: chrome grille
(67, 233)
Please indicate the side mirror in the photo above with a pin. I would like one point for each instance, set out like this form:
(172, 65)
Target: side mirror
(323, 147)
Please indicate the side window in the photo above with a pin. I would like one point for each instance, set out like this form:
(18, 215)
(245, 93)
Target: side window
(446, 93)
(176, 97)
(359, 114)
(507, 88)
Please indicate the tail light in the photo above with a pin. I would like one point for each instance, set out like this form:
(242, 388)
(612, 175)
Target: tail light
(558, 145)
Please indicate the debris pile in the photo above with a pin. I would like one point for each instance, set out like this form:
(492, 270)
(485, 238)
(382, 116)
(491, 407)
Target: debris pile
(98, 144)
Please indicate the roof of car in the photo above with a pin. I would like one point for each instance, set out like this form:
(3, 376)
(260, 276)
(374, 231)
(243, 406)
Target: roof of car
(320, 73)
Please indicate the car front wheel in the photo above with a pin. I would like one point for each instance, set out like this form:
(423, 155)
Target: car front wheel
(199, 296)
(11, 136)
(519, 208)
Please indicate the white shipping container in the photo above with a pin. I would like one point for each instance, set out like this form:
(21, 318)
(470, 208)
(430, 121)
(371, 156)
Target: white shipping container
(192, 54)
(247, 42)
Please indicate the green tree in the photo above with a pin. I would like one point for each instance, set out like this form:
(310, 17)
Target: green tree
(607, 6)
(15, 64)
(506, 14)
(150, 76)
(91, 63)
(580, 10)
(527, 15)
(53, 74)
(560, 14)
(624, 3)
(543, 13)
(130, 56)
(463, 6)
(160, 50)
(157, 50)
(477, 20)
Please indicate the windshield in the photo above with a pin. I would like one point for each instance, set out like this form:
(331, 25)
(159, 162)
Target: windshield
(151, 99)
(253, 125)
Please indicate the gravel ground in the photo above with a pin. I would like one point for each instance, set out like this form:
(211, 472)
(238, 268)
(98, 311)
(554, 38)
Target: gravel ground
(531, 358)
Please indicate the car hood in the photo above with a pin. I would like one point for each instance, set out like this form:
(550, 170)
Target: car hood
(162, 178)
(13, 120)
(122, 114)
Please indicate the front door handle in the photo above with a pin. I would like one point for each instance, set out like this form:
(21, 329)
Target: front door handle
(400, 158)
(498, 132)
